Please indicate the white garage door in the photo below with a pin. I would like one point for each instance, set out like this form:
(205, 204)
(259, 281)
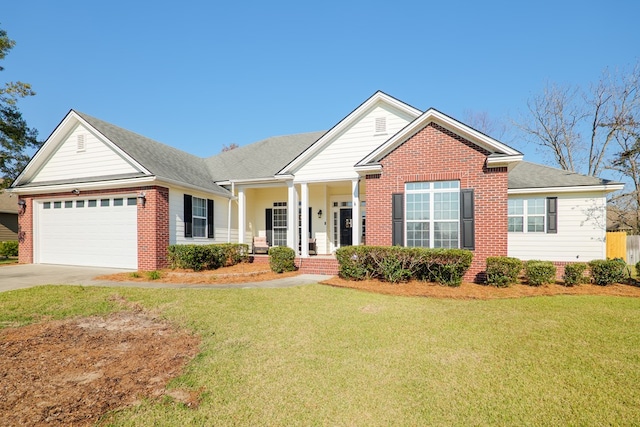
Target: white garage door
(100, 232)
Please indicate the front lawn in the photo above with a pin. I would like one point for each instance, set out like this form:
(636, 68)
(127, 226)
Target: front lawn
(318, 355)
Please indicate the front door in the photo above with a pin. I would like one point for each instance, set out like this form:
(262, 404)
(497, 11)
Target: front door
(346, 227)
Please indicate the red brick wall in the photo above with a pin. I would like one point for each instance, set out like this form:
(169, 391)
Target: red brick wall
(435, 154)
(153, 224)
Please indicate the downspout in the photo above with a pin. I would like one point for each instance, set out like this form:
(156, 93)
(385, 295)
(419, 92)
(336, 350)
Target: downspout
(233, 194)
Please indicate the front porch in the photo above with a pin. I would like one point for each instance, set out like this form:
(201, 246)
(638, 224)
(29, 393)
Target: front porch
(325, 218)
(322, 264)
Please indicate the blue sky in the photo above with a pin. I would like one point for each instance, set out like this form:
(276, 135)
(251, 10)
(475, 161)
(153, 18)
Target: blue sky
(200, 74)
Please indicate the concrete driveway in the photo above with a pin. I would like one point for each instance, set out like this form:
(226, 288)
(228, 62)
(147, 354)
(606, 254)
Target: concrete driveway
(28, 275)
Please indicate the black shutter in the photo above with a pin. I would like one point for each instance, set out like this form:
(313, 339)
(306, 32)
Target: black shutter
(210, 219)
(467, 221)
(188, 216)
(310, 220)
(268, 220)
(397, 216)
(552, 214)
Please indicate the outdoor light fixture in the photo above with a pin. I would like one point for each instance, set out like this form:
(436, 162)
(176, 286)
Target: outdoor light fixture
(320, 213)
(75, 192)
(143, 198)
(23, 206)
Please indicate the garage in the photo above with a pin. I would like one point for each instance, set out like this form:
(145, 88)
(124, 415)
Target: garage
(94, 231)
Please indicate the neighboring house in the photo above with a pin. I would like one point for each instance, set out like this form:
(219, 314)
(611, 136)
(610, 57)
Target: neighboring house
(386, 174)
(8, 216)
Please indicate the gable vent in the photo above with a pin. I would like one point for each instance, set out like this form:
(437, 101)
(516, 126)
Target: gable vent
(81, 144)
(381, 125)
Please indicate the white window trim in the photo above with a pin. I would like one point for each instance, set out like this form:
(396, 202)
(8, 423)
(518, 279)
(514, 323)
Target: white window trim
(525, 215)
(431, 192)
(282, 240)
(194, 217)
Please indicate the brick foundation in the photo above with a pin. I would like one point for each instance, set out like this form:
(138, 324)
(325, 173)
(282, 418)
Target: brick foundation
(436, 154)
(312, 265)
(153, 224)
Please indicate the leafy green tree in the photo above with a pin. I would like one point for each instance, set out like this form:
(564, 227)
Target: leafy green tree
(16, 138)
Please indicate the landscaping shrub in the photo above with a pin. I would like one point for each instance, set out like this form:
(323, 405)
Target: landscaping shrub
(574, 274)
(503, 271)
(352, 261)
(638, 269)
(281, 259)
(396, 264)
(609, 271)
(207, 257)
(539, 272)
(445, 266)
(154, 275)
(9, 248)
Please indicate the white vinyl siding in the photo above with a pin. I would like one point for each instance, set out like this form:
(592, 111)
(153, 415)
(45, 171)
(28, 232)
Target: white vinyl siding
(96, 159)
(352, 145)
(580, 236)
(176, 218)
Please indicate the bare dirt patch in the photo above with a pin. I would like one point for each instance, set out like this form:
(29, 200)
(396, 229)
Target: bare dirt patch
(476, 291)
(239, 273)
(71, 372)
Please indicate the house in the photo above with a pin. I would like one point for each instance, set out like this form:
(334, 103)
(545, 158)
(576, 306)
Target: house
(8, 216)
(386, 174)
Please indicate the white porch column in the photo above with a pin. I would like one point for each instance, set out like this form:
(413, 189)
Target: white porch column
(242, 215)
(304, 219)
(292, 216)
(355, 212)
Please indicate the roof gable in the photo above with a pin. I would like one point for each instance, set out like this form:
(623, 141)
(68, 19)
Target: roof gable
(377, 99)
(500, 153)
(144, 156)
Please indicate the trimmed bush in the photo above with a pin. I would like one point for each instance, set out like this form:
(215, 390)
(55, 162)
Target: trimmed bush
(503, 271)
(9, 248)
(539, 272)
(396, 264)
(574, 274)
(281, 259)
(638, 269)
(609, 271)
(207, 257)
(353, 263)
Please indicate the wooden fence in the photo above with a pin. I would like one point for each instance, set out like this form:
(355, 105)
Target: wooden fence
(617, 244)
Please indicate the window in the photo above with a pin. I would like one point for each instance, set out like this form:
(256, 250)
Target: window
(79, 203)
(68, 204)
(279, 223)
(131, 201)
(117, 202)
(57, 205)
(46, 205)
(104, 202)
(199, 217)
(527, 215)
(92, 203)
(433, 214)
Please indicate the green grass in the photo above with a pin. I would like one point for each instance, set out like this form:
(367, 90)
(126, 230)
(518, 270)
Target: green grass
(8, 261)
(318, 355)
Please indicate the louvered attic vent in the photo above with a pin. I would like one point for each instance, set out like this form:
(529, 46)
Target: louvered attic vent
(381, 125)
(81, 144)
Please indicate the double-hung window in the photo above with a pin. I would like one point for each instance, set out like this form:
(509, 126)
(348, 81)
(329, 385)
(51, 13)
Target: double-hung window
(527, 215)
(199, 212)
(433, 214)
(279, 223)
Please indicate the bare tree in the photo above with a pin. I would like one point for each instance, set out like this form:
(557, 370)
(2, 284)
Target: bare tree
(480, 120)
(579, 126)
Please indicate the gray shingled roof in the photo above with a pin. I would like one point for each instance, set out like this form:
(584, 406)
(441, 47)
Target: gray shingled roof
(161, 160)
(531, 175)
(262, 159)
(8, 203)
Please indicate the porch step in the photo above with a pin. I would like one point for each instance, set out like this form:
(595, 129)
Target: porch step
(313, 265)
